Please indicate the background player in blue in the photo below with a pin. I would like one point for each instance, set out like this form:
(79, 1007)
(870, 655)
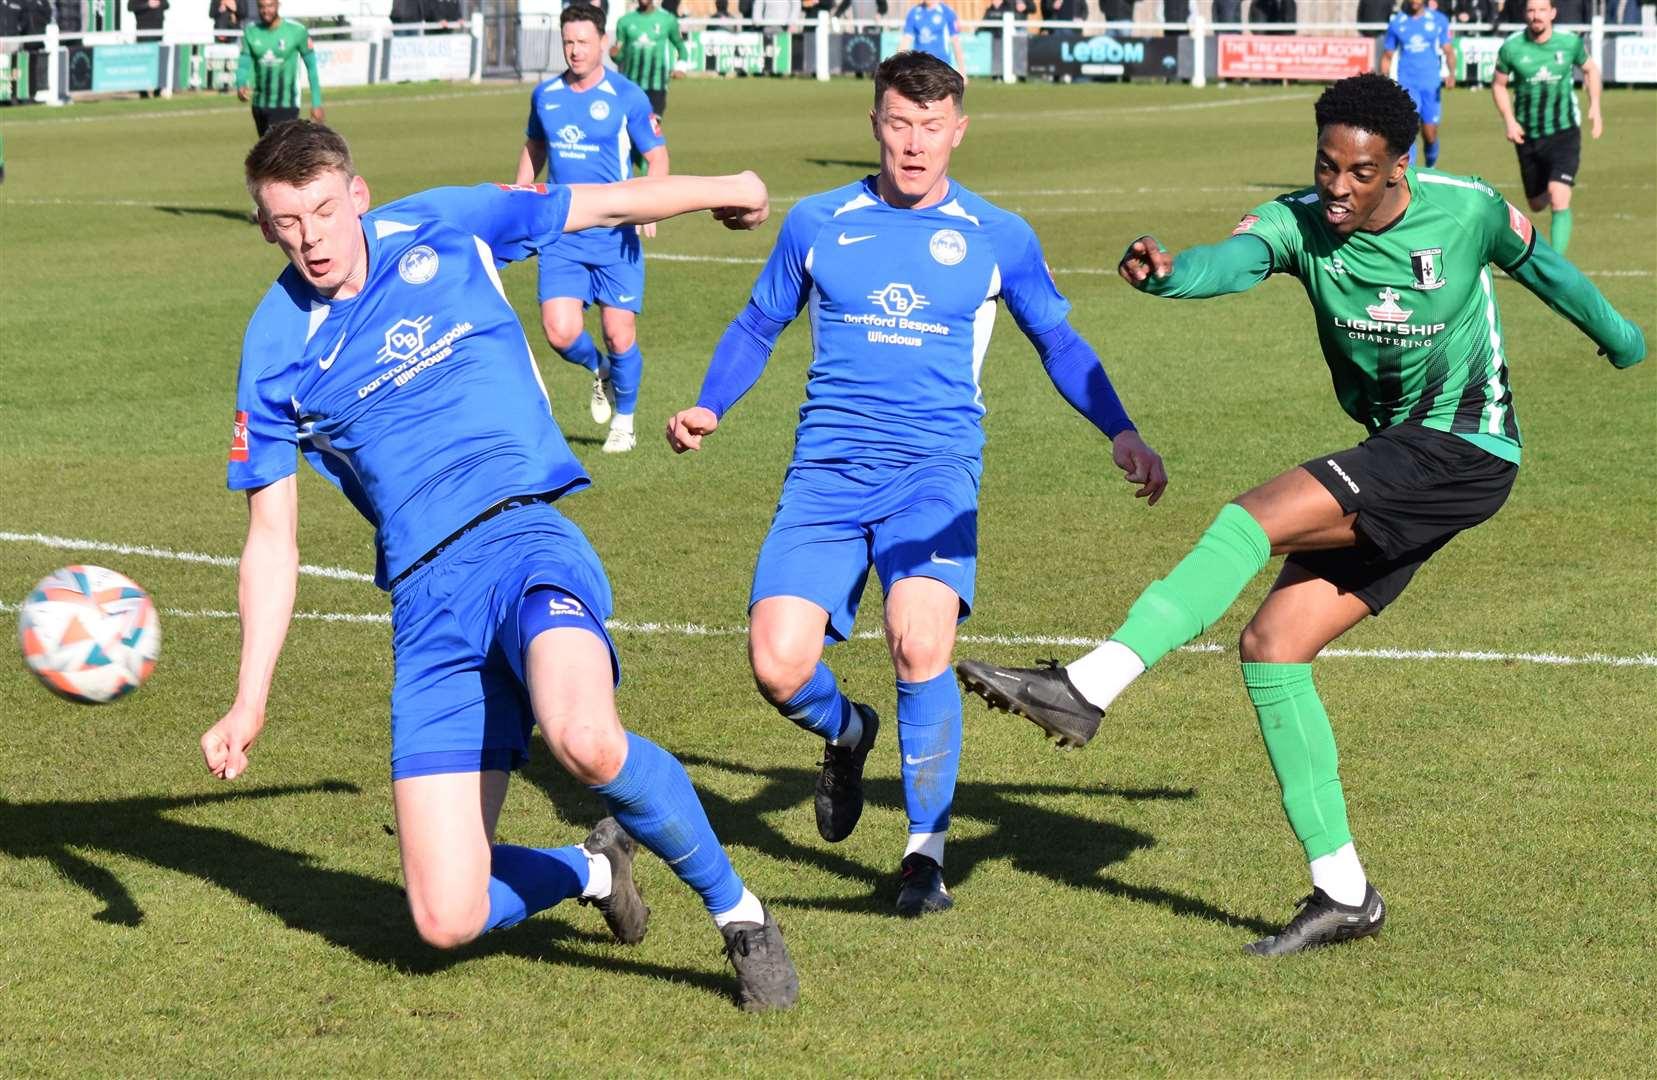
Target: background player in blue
(584, 127)
(1420, 37)
(931, 27)
(901, 272)
(387, 353)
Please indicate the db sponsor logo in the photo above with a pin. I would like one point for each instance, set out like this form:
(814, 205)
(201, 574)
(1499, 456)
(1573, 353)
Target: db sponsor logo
(238, 437)
(571, 134)
(418, 265)
(404, 339)
(899, 299)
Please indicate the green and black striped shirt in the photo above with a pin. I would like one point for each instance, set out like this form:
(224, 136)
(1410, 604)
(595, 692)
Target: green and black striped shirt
(649, 45)
(1544, 97)
(269, 63)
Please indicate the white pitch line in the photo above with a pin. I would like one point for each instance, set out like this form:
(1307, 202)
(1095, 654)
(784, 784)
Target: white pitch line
(622, 626)
(72, 544)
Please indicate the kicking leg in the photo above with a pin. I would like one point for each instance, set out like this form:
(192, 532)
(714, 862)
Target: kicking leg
(626, 366)
(785, 648)
(921, 614)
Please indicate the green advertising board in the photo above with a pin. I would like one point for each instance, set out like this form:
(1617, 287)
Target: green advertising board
(126, 67)
(750, 51)
(978, 50)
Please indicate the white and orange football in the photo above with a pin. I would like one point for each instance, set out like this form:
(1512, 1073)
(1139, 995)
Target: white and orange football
(90, 634)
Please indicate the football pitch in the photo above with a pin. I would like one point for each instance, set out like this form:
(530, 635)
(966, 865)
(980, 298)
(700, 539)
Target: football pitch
(1496, 724)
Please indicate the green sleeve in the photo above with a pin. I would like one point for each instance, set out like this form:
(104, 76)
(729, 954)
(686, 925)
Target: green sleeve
(1504, 60)
(309, 55)
(679, 50)
(244, 65)
(1581, 52)
(1237, 263)
(1563, 288)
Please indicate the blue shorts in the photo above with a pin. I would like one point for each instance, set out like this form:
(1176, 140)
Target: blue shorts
(616, 282)
(1427, 101)
(458, 702)
(831, 526)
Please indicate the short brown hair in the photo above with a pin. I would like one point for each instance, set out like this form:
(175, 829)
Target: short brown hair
(583, 13)
(920, 77)
(295, 153)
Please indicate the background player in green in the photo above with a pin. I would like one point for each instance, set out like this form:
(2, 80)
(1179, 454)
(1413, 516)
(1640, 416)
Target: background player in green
(648, 45)
(1542, 117)
(268, 68)
(1395, 263)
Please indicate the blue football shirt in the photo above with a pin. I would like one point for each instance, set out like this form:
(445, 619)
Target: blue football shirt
(1419, 41)
(418, 397)
(931, 29)
(901, 303)
(591, 135)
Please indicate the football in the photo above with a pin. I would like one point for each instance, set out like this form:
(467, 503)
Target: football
(89, 634)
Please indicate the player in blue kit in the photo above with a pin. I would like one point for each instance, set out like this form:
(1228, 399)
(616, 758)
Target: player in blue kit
(584, 127)
(900, 272)
(931, 27)
(1420, 38)
(388, 355)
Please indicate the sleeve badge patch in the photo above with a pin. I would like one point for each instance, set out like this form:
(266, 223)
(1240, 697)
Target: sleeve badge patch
(238, 437)
(1248, 222)
(1519, 223)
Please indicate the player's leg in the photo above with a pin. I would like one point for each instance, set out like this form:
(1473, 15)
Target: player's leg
(568, 667)
(619, 289)
(626, 372)
(564, 289)
(1295, 511)
(925, 550)
(807, 581)
(1305, 611)
(1564, 159)
(1430, 107)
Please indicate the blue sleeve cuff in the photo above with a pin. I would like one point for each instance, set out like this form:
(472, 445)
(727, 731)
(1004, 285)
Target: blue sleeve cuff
(739, 358)
(1075, 370)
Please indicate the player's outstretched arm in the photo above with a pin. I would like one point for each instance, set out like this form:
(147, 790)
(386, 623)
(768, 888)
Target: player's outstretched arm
(268, 578)
(739, 201)
(738, 361)
(1567, 291)
(1235, 264)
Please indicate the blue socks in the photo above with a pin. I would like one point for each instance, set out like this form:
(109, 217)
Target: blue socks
(1431, 154)
(582, 351)
(626, 372)
(524, 880)
(929, 737)
(653, 800)
(819, 707)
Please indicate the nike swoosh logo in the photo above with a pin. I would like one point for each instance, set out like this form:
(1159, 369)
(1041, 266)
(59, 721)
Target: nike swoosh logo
(844, 239)
(941, 561)
(910, 759)
(328, 361)
(626, 299)
(549, 108)
(686, 855)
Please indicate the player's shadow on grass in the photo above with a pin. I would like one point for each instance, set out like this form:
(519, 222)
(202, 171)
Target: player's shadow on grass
(1063, 847)
(239, 216)
(367, 915)
(842, 163)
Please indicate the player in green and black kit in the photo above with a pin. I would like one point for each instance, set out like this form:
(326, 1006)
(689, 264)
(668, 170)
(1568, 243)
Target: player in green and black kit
(1543, 119)
(648, 45)
(269, 68)
(1396, 264)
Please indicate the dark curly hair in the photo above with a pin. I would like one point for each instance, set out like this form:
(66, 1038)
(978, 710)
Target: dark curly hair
(1372, 103)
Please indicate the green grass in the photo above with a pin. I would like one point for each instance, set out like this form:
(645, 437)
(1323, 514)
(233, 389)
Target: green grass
(155, 921)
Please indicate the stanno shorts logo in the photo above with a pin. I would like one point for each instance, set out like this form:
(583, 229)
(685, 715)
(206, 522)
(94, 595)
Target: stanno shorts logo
(1424, 266)
(599, 110)
(238, 437)
(948, 246)
(418, 265)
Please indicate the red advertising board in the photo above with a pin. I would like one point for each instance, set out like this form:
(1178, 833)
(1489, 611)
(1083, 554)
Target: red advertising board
(1319, 59)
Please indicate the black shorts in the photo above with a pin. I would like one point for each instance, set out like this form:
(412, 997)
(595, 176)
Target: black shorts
(265, 119)
(1413, 489)
(658, 101)
(1550, 159)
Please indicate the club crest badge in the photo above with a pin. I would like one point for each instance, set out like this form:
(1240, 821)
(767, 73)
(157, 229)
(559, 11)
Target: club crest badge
(1424, 266)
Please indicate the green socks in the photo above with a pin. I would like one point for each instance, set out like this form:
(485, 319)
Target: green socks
(1560, 235)
(1173, 610)
(1302, 748)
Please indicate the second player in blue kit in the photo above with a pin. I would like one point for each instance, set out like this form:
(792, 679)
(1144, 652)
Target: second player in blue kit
(1420, 37)
(584, 127)
(900, 273)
